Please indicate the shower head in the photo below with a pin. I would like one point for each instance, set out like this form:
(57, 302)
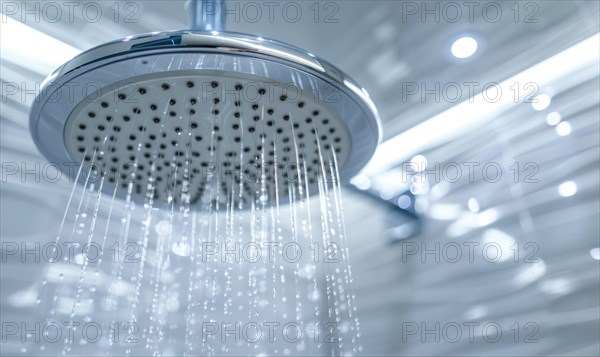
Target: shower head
(159, 115)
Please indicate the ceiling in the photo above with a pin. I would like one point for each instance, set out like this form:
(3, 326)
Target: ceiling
(552, 288)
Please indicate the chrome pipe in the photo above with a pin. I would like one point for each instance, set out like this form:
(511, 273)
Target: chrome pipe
(205, 15)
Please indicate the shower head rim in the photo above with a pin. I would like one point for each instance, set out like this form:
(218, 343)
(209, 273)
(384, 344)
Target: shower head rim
(240, 43)
(225, 42)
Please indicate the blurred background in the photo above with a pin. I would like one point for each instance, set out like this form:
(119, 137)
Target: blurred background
(474, 230)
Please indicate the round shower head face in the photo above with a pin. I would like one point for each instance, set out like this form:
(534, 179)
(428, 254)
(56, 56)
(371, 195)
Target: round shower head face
(190, 126)
(202, 118)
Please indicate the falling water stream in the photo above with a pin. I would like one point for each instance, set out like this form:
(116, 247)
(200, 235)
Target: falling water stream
(218, 275)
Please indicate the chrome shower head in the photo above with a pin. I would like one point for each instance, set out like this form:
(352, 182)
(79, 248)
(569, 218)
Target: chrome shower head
(162, 112)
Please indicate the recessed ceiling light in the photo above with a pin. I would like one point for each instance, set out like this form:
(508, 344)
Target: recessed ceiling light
(418, 163)
(567, 189)
(541, 102)
(464, 47)
(362, 182)
(404, 201)
(553, 118)
(473, 205)
(563, 128)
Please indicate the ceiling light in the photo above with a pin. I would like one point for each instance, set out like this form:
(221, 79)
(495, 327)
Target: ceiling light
(595, 253)
(567, 189)
(464, 47)
(418, 163)
(563, 128)
(23, 44)
(487, 217)
(469, 221)
(473, 205)
(557, 286)
(553, 118)
(444, 212)
(541, 102)
(419, 187)
(362, 182)
(404, 201)
(477, 312)
(530, 273)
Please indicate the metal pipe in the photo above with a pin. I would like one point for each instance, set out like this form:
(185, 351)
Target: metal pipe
(205, 15)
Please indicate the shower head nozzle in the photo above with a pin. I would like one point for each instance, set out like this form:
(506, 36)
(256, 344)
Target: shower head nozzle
(162, 114)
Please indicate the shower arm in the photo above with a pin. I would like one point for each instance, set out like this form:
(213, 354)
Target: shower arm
(205, 15)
